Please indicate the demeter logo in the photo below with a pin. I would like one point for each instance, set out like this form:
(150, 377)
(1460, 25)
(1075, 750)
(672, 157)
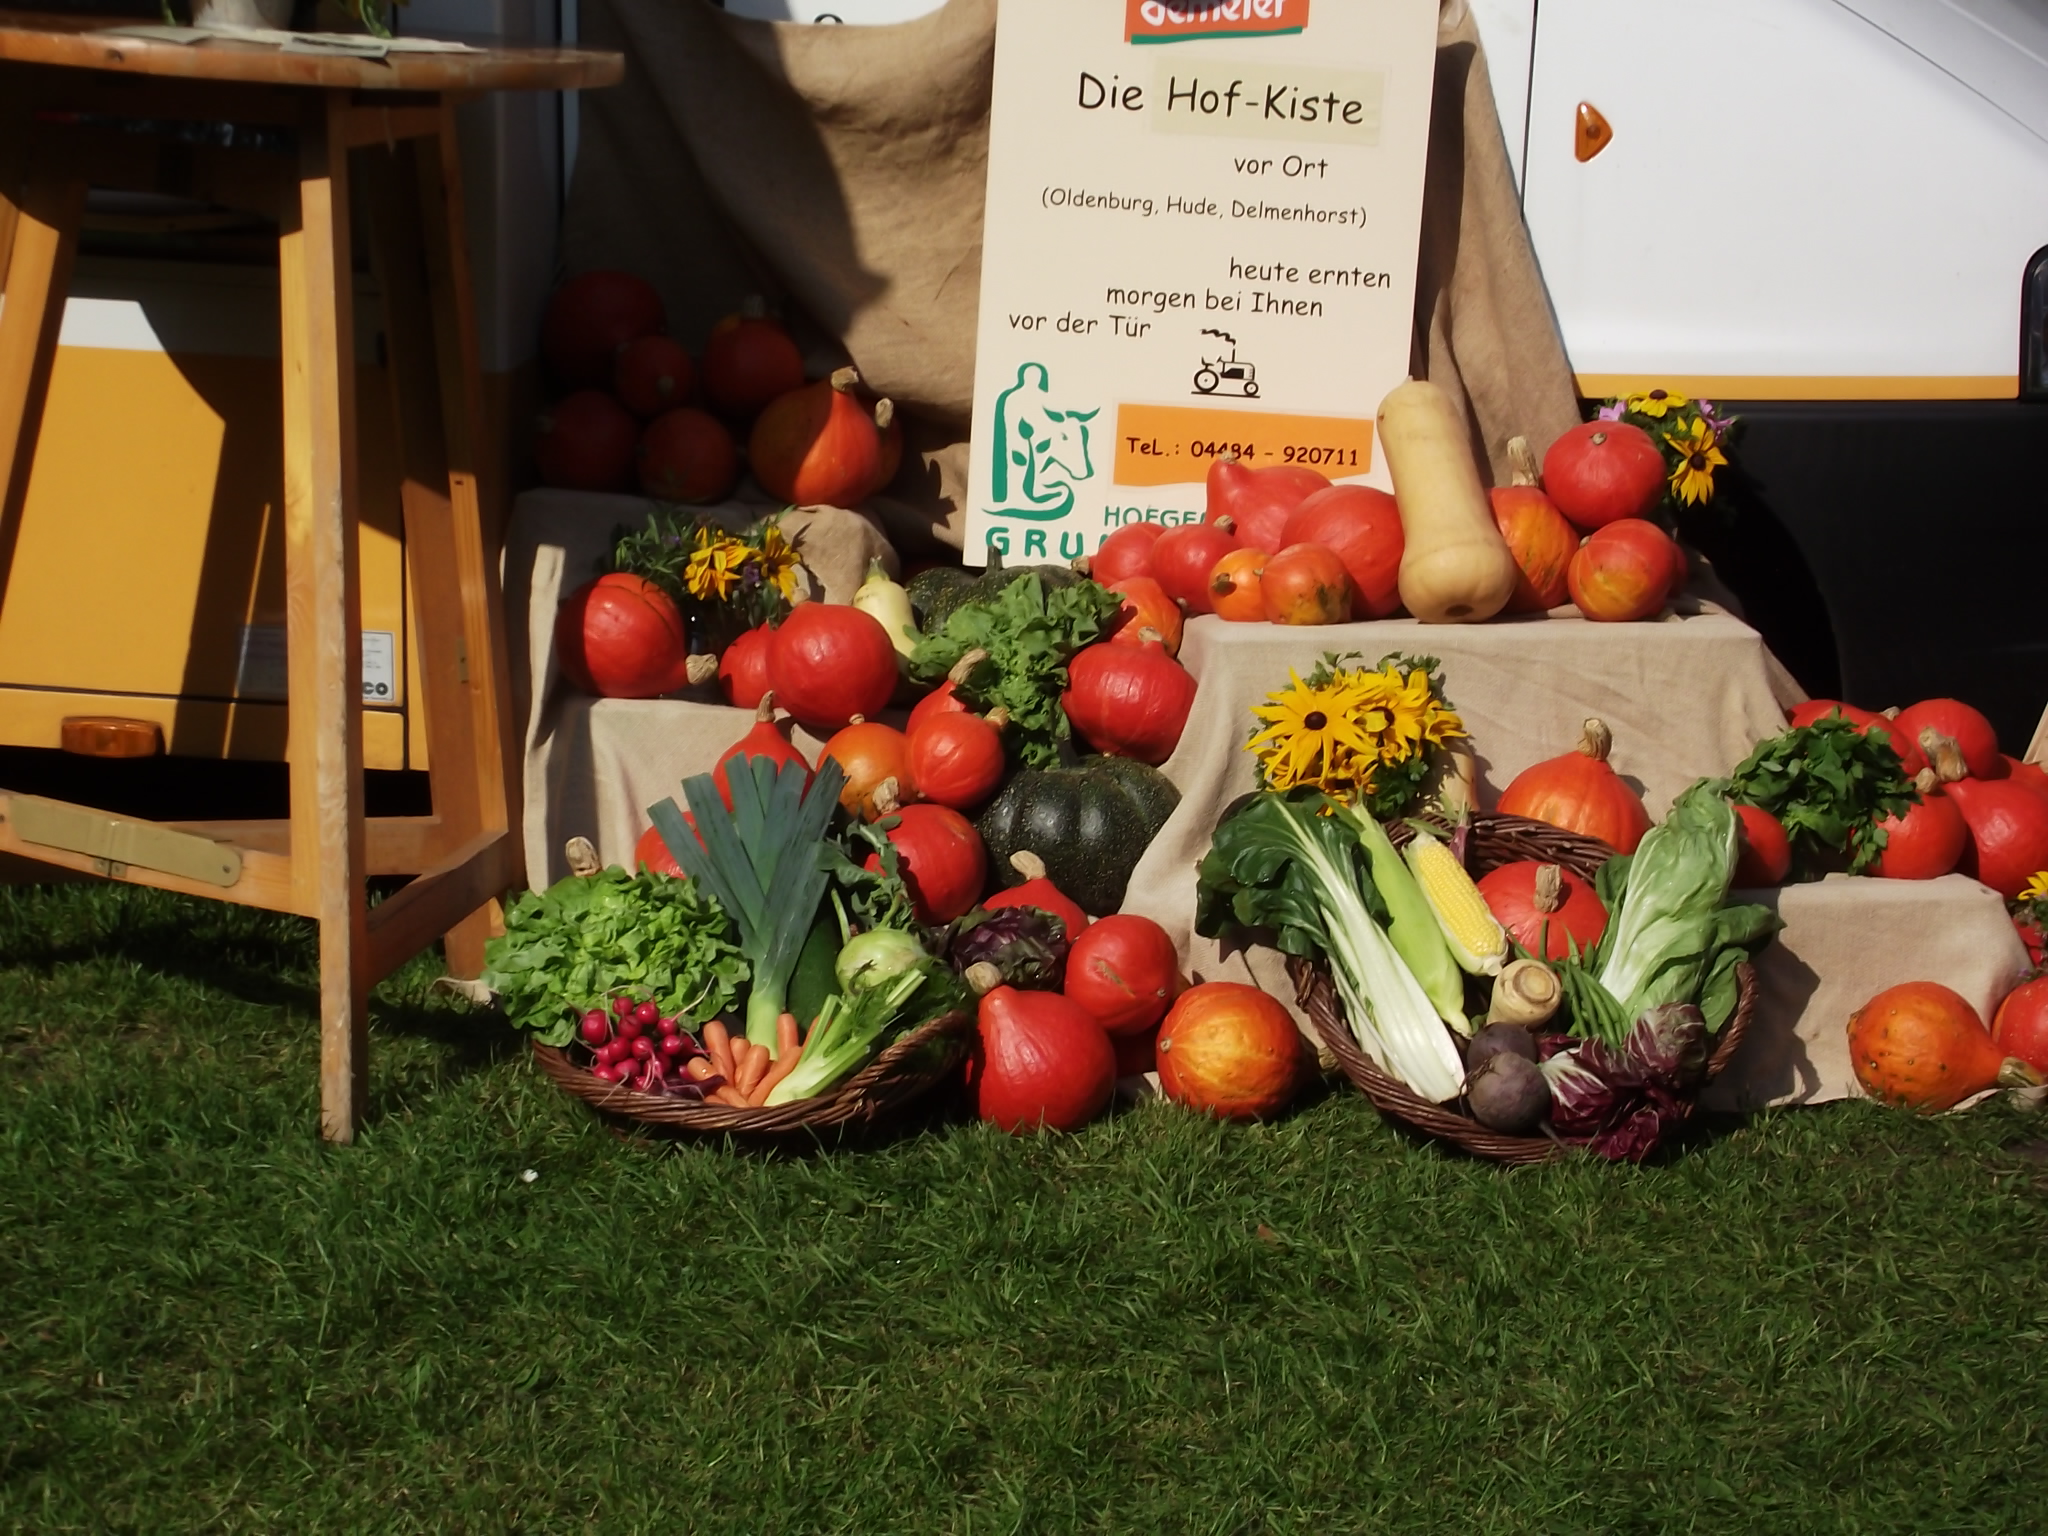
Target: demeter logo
(1179, 21)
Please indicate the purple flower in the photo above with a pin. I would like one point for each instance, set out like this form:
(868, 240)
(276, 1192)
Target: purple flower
(1613, 410)
(1712, 418)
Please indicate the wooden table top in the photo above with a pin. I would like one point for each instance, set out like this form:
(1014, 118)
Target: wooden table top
(74, 42)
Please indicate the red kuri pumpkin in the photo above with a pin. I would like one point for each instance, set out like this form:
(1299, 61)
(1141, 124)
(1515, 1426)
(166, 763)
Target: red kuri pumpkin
(620, 637)
(1042, 1063)
(1237, 587)
(1362, 527)
(686, 455)
(1581, 792)
(743, 667)
(817, 446)
(1966, 727)
(1146, 606)
(2008, 826)
(1602, 471)
(588, 318)
(1306, 584)
(1230, 1050)
(2029, 775)
(1125, 972)
(831, 662)
(1920, 1045)
(652, 855)
(586, 442)
(944, 862)
(2020, 1027)
(749, 361)
(1764, 852)
(1039, 891)
(1258, 502)
(1129, 700)
(765, 738)
(1183, 557)
(1622, 573)
(1544, 907)
(1538, 536)
(652, 374)
(1125, 553)
(1928, 841)
(956, 757)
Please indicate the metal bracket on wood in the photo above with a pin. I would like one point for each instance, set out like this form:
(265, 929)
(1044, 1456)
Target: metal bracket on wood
(114, 843)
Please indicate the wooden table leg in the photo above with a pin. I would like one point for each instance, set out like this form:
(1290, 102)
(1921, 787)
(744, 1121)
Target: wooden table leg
(44, 244)
(323, 623)
(461, 711)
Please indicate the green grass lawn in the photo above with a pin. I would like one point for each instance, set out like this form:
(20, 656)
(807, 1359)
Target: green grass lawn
(1816, 1321)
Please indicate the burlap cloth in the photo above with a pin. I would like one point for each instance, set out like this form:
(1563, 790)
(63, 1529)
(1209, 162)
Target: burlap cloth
(840, 172)
(1685, 698)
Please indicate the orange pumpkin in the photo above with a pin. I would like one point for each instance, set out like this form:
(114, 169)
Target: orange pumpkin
(1581, 793)
(1237, 586)
(1921, 1046)
(1146, 606)
(1231, 1051)
(1306, 584)
(1623, 572)
(1362, 527)
(1538, 536)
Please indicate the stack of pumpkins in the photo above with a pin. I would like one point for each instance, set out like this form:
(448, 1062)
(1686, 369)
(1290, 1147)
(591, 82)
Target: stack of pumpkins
(636, 410)
(1282, 545)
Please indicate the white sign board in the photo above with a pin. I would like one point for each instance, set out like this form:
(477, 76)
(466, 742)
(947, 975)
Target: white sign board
(1202, 226)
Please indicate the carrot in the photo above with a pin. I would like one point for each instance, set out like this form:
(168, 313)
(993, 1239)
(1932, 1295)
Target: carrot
(718, 1041)
(700, 1068)
(730, 1097)
(786, 1040)
(752, 1070)
(784, 1065)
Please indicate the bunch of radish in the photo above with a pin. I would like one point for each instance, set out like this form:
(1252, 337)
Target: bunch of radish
(634, 1045)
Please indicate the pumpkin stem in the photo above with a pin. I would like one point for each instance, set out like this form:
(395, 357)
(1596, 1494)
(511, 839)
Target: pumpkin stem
(1597, 439)
(1028, 864)
(1549, 889)
(1891, 714)
(996, 718)
(1926, 781)
(764, 712)
(1081, 565)
(982, 977)
(1226, 522)
(1229, 456)
(845, 380)
(1522, 466)
(1151, 636)
(964, 668)
(1943, 755)
(1596, 740)
(856, 719)
(885, 413)
(581, 856)
(887, 799)
(701, 669)
(2014, 1073)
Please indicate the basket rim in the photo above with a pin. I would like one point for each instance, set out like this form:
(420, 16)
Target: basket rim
(887, 1083)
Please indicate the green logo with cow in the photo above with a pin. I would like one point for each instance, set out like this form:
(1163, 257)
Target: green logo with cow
(1040, 451)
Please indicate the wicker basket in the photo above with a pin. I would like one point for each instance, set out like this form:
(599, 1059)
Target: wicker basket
(1495, 840)
(906, 1070)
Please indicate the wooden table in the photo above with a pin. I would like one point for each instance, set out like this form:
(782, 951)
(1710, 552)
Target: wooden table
(80, 109)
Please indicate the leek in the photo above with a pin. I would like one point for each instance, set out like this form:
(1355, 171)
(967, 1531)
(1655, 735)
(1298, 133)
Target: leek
(765, 860)
(1283, 863)
(1412, 924)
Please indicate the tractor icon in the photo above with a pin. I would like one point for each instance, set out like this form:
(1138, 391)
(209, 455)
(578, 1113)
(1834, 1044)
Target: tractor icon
(1227, 375)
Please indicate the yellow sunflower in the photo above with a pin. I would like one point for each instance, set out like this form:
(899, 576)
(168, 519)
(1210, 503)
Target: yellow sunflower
(1656, 404)
(1310, 733)
(779, 562)
(1699, 456)
(2036, 889)
(714, 566)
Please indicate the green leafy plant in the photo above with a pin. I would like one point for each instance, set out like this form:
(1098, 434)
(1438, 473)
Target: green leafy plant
(1029, 633)
(572, 947)
(1831, 784)
(723, 582)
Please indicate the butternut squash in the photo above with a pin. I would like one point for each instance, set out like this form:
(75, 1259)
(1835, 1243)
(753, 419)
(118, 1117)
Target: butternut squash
(1455, 566)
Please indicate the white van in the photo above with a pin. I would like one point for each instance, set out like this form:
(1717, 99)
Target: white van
(1833, 216)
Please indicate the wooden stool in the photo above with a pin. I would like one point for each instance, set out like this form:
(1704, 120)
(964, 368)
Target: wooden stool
(71, 102)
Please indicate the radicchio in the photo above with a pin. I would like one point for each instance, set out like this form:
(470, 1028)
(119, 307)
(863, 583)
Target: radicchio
(1619, 1102)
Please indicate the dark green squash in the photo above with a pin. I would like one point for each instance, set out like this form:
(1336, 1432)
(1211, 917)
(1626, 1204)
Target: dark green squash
(936, 593)
(1090, 824)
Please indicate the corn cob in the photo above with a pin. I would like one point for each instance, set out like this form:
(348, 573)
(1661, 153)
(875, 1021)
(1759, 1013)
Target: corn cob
(1477, 941)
